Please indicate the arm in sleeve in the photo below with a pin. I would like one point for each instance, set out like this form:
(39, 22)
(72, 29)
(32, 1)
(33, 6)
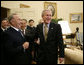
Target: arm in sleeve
(60, 42)
(9, 45)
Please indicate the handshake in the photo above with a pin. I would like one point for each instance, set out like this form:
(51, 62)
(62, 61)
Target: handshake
(26, 45)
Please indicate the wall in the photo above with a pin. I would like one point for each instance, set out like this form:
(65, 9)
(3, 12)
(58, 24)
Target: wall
(64, 8)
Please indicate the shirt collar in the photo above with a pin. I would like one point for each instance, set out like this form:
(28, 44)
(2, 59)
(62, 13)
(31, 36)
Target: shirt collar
(47, 24)
(3, 29)
(15, 28)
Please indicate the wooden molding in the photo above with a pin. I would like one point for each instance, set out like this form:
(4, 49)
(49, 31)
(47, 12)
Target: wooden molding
(24, 6)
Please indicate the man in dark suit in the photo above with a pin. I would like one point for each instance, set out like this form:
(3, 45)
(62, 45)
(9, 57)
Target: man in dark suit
(28, 34)
(4, 26)
(50, 36)
(16, 48)
(1, 47)
(31, 35)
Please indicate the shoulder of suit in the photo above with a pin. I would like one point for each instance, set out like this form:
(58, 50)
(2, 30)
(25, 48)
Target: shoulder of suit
(40, 24)
(10, 29)
(1, 30)
(55, 24)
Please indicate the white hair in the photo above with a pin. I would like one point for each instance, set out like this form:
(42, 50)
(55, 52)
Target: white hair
(43, 12)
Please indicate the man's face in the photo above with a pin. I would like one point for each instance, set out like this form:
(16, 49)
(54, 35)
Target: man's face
(47, 17)
(16, 21)
(31, 23)
(4, 24)
(23, 24)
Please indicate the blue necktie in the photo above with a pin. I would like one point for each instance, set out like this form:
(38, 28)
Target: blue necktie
(21, 33)
(22, 36)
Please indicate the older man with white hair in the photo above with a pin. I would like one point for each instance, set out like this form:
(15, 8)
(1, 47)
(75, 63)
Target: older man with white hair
(16, 47)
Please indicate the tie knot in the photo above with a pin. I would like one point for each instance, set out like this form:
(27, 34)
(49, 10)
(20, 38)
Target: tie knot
(23, 32)
(19, 30)
(46, 25)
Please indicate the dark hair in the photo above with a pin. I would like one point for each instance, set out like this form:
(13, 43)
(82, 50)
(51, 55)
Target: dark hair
(4, 19)
(25, 20)
(77, 28)
(31, 20)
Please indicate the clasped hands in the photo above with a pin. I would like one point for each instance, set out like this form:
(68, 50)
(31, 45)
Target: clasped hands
(26, 45)
(61, 60)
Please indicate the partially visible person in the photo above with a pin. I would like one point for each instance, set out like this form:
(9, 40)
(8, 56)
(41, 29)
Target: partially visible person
(31, 36)
(29, 33)
(31, 29)
(23, 26)
(15, 45)
(78, 37)
(31, 23)
(1, 47)
(50, 37)
(4, 24)
(25, 32)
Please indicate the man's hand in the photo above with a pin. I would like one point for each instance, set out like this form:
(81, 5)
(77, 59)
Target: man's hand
(37, 41)
(26, 45)
(61, 60)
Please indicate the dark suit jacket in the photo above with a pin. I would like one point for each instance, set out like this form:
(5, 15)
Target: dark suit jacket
(1, 46)
(30, 33)
(48, 50)
(14, 52)
(30, 36)
(2, 55)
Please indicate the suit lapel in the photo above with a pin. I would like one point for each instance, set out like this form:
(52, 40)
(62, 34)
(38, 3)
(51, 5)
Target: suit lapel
(42, 30)
(16, 32)
(49, 32)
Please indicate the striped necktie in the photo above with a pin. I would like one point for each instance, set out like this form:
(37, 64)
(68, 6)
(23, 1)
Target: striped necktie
(21, 33)
(45, 31)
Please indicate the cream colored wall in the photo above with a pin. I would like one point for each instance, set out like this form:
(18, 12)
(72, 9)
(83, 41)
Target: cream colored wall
(64, 8)
(36, 6)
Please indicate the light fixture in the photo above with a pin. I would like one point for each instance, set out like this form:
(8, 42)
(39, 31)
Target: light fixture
(66, 31)
(65, 27)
